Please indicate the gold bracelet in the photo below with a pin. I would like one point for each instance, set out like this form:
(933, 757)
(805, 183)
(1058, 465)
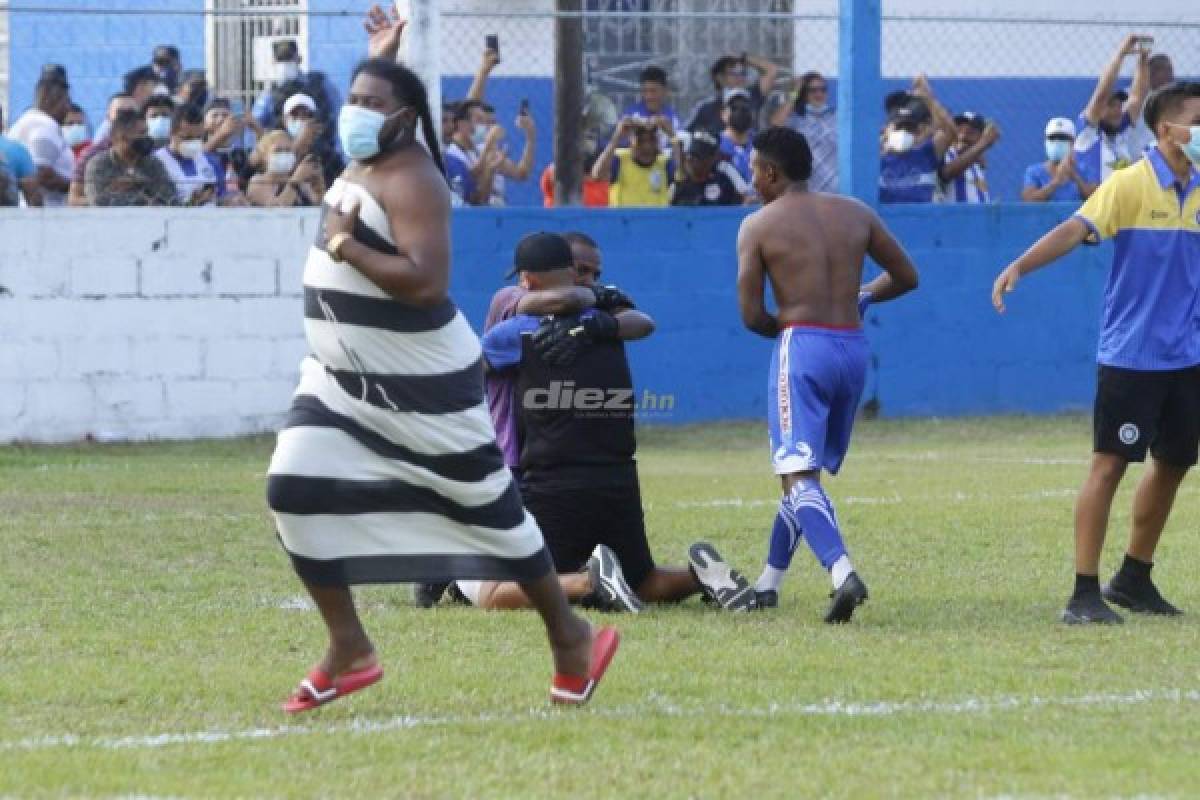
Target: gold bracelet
(334, 245)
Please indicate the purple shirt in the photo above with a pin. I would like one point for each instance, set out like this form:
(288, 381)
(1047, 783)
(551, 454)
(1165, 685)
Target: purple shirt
(502, 387)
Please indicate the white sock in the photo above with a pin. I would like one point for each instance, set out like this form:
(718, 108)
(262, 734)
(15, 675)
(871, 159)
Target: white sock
(770, 579)
(840, 570)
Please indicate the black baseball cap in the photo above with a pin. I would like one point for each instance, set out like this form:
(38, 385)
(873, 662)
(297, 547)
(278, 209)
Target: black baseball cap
(976, 121)
(542, 252)
(703, 145)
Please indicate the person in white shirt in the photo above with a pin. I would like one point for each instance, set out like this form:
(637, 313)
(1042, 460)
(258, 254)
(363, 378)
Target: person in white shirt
(39, 129)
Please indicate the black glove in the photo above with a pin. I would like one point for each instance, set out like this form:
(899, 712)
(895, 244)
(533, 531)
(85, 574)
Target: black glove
(555, 343)
(598, 324)
(610, 297)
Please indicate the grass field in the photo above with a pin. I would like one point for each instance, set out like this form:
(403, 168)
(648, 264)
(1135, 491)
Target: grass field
(150, 625)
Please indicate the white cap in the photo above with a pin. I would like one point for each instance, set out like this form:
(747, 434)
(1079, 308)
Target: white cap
(1060, 126)
(298, 100)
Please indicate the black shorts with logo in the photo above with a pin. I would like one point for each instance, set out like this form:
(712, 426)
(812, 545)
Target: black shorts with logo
(1140, 410)
(579, 509)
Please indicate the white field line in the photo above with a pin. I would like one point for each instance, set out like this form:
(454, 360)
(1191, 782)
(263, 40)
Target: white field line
(654, 707)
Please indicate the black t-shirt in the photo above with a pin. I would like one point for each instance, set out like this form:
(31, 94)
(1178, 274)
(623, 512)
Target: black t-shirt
(717, 190)
(575, 417)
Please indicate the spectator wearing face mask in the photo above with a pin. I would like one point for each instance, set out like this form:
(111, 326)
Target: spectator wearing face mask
(964, 167)
(192, 173)
(76, 196)
(285, 181)
(1056, 180)
(20, 165)
(308, 135)
(127, 173)
(477, 146)
(915, 142)
(40, 130)
(640, 175)
(75, 131)
(814, 117)
(158, 111)
(289, 79)
(739, 130)
(730, 72)
(707, 179)
(1106, 140)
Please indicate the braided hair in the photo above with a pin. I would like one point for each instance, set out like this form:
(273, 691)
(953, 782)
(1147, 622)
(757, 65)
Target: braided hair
(408, 89)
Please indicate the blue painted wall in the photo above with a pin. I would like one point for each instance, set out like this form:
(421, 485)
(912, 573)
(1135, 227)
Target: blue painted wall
(940, 351)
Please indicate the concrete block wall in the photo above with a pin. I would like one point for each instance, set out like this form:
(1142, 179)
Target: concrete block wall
(120, 324)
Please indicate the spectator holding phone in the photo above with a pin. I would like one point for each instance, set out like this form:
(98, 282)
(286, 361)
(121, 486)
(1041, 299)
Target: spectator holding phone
(640, 175)
(915, 141)
(286, 181)
(192, 171)
(964, 167)
(1056, 180)
(653, 102)
(1107, 140)
(127, 173)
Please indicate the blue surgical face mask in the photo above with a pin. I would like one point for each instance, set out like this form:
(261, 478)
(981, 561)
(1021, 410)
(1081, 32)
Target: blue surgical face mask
(1056, 149)
(159, 128)
(813, 108)
(358, 131)
(1191, 148)
(295, 127)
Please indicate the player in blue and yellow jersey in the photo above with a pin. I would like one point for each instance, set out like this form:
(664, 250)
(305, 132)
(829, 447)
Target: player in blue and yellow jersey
(1148, 397)
(811, 246)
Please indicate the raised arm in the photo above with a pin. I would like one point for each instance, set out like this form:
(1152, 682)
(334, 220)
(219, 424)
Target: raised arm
(767, 73)
(750, 283)
(1141, 84)
(479, 83)
(945, 131)
(1054, 245)
(967, 157)
(1108, 79)
(520, 170)
(603, 166)
(899, 275)
(419, 274)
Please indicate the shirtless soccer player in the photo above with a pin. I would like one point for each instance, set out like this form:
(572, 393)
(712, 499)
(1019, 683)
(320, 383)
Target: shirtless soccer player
(387, 469)
(811, 247)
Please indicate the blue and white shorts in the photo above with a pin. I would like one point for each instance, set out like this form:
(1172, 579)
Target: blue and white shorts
(816, 383)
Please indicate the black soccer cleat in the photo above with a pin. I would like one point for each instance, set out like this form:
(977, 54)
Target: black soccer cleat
(1089, 608)
(427, 595)
(610, 592)
(727, 587)
(767, 598)
(1139, 595)
(851, 595)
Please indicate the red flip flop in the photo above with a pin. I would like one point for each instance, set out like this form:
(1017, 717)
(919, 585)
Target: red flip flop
(318, 689)
(575, 690)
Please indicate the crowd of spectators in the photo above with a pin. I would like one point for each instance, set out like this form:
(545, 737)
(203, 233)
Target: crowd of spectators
(167, 140)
